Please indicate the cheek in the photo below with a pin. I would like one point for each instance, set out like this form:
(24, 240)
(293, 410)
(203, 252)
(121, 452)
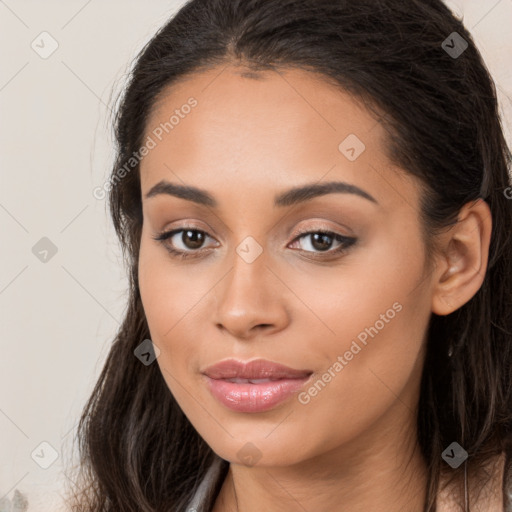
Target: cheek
(371, 293)
(171, 296)
(376, 315)
(368, 373)
(168, 291)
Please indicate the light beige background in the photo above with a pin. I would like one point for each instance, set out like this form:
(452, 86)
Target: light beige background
(58, 318)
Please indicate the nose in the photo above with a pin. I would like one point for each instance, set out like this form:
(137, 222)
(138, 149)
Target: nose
(251, 300)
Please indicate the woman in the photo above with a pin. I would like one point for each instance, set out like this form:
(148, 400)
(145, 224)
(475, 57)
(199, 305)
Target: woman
(312, 201)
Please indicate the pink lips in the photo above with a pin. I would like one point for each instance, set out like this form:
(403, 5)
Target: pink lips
(255, 386)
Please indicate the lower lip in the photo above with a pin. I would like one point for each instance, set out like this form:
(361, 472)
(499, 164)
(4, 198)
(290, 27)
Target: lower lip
(247, 397)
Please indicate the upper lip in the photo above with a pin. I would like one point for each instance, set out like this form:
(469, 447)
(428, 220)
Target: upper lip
(255, 369)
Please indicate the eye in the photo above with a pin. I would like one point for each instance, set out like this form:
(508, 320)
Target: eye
(190, 238)
(322, 241)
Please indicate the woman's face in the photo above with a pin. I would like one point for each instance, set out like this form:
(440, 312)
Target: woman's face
(254, 287)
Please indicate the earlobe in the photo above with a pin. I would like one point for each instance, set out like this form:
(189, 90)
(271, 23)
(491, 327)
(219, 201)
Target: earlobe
(462, 262)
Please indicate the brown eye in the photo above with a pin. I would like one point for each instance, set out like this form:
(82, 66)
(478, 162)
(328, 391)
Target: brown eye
(183, 242)
(192, 238)
(322, 241)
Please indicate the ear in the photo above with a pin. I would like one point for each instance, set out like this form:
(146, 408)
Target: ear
(462, 260)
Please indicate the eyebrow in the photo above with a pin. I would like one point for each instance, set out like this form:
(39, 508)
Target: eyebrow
(288, 198)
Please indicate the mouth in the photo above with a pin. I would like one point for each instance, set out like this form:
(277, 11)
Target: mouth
(255, 386)
(250, 381)
(256, 369)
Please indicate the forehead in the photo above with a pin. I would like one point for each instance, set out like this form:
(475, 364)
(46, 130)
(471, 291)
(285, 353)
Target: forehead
(277, 128)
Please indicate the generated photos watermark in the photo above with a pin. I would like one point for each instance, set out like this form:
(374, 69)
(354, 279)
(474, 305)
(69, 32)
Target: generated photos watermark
(343, 360)
(150, 143)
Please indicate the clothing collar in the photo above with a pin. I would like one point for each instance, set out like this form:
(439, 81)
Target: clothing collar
(206, 494)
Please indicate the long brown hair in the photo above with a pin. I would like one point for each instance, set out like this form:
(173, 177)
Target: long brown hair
(138, 451)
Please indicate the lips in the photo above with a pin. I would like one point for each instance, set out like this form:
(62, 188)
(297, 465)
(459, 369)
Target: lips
(255, 370)
(254, 386)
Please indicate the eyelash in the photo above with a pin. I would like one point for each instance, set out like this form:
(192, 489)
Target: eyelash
(346, 242)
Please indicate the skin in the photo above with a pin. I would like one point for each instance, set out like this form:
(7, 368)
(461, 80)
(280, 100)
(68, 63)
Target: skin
(353, 446)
